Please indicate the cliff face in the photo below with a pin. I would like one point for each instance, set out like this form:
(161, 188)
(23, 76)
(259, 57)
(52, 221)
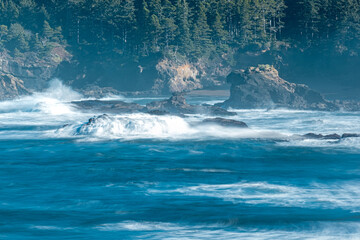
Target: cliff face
(176, 77)
(183, 76)
(261, 87)
(11, 86)
(150, 75)
(29, 72)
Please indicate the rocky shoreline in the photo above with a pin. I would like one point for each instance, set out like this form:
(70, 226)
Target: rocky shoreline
(177, 106)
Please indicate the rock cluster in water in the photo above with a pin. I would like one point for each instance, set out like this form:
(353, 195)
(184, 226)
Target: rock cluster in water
(225, 122)
(261, 87)
(334, 136)
(175, 105)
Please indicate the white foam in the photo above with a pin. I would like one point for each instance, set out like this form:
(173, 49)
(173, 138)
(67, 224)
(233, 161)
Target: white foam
(339, 195)
(143, 126)
(49, 108)
(172, 231)
(53, 108)
(51, 228)
(138, 226)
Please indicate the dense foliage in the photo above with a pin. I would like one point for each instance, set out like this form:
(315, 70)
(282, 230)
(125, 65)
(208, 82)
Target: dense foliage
(191, 28)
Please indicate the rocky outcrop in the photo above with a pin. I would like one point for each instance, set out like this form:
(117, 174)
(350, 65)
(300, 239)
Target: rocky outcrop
(225, 122)
(261, 87)
(108, 106)
(177, 105)
(320, 136)
(11, 86)
(30, 71)
(177, 75)
(333, 136)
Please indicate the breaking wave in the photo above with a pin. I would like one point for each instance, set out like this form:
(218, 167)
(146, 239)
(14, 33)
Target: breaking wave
(143, 126)
(50, 110)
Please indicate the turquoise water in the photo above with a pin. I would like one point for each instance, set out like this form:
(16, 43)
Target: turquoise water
(158, 177)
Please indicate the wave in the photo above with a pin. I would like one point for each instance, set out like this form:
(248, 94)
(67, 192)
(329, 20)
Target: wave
(350, 144)
(163, 230)
(340, 195)
(53, 107)
(51, 228)
(50, 101)
(144, 126)
(49, 108)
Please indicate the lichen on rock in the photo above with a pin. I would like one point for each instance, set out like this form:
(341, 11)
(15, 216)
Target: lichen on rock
(180, 76)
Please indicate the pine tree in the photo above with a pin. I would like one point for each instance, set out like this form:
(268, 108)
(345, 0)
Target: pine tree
(17, 38)
(220, 35)
(201, 33)
(37, 45)
(143, 16)
(57, 35)
(47, 31)
(155, 26)
(348, 34)
(3, 34)
(244, 25)
(168, 23)
(184, 41)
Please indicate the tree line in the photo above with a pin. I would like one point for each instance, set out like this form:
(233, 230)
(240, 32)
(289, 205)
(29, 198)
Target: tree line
(190, 28)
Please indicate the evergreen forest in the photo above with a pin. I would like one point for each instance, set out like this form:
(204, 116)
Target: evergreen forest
(130, 29)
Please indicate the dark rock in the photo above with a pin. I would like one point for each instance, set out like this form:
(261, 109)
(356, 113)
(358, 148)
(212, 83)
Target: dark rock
(109, 106)
(94, 91)
(320, 136)
(177, 105)
(332, 136)
(350, 135)
(261, 87)
(313, 136)
(225, 122)
(96, 119)
(92, 121)
(158, 112)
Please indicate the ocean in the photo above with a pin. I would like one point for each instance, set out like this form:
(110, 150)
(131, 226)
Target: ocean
(139, 176)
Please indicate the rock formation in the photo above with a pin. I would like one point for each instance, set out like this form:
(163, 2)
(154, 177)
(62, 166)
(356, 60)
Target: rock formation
(28, 72)
(177, 105)
(11, 86)
(333, 136)
(261, 87)
(225, 122)
(109, 106)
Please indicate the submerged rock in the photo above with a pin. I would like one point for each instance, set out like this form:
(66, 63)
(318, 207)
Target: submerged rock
(261, 87)
(350, 135)
(109, 106)
(177, 105)
(158, 112)
(330, 136)
(225, 122)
